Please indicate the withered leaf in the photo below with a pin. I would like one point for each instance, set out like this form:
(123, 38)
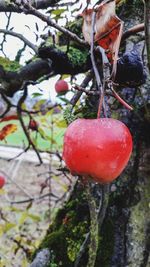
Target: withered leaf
(108, 27)
(7, 130)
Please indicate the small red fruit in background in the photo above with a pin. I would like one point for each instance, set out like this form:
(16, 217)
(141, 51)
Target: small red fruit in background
(61, 86)
(97, 148)
(2, 181)
(33, 125)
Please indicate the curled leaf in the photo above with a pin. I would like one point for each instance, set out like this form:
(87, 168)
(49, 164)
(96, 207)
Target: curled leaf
(7, 130)
(107, 27)
(8, 118)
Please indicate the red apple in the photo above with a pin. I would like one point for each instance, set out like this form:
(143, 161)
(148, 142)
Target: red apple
(33, 125)
(61, 86)
(97, 148)
(2, 181)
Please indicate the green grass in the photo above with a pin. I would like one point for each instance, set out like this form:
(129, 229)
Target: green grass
(51, 137)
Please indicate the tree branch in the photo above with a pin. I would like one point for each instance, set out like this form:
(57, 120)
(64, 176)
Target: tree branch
(84, 84)
(69, 65)
(5, 6)
(51, 62)
(132, 31)
(19, 111)
(12, 81)
(21, 37)
(28, 9)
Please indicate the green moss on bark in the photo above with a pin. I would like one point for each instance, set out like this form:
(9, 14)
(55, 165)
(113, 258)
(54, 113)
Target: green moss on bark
(66, 235)
(9, 65)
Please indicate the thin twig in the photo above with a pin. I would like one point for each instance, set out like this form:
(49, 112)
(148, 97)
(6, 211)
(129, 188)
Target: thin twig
(19, 111)
(125, 104)
(50, 164)
(85, 82)
(132, 31)
(19, 186)
(81, 89)
(97, 76)
(7, 101)
(47, 19)
(32, 199)
(21, 37)
(4, 38)
(100, 105)
(18, 155)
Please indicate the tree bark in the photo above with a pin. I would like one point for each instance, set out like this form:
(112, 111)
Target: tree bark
(147, 28)
(124, 236)
(125, 232)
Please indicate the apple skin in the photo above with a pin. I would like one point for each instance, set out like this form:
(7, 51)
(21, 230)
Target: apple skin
(61, 87)
(97, 148)
(2, 181)
(33, 125)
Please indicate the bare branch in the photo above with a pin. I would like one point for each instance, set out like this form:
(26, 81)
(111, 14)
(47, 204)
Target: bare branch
(85, 82)
(22, 38)
(28, 9)
(21, 101)
(4, 39)
(35, 198)
(132, 31)
(81, 89)
(17, 185)
(96, 72)
(9, 104)
(5, 6)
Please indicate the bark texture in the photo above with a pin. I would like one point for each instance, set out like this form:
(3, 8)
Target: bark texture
(124, 237)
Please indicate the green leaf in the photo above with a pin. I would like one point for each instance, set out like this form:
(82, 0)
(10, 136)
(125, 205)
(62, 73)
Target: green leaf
(37, 106)
(49, 113)
(58, 12)
(17, 210)
(9, 226)
(43, 135)
(61, 124)
(6, 227)
(23, 217)
(23, 106)
(35, 218)
(36, 94)
(29, 205)
(64, 99)
(64, 76)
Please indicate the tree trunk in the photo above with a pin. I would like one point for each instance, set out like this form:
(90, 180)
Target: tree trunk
(124, 235)
(124, 238)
